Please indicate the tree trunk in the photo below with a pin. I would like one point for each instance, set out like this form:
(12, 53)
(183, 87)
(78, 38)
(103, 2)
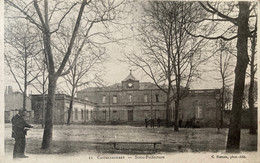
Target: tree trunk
(47, 135)
(252, 128)
(176, 115)
(167, 124)
(71, 107)
(233, 140)
(222, 108)
(169, 88)
(43, 93)
(25, 81)
(177, 100)
(24, 97)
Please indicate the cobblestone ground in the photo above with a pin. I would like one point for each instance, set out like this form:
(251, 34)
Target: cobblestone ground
(77, 139)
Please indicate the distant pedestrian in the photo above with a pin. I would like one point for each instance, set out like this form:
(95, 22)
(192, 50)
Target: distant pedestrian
(180, 121)
(187, 124)
(146, 120)
(159, 122)
(152, 122)
(19, 130)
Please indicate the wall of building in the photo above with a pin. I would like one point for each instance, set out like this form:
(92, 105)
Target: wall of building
(201, 106)
(81, 112)
(138, 96)
(129, 113)
(134, 105)
(14, 101)
(29, 116)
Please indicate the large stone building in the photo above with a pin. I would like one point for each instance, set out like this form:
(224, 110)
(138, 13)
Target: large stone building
(130, 101)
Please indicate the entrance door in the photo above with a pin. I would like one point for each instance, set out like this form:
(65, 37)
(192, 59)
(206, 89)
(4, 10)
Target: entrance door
(130, 115)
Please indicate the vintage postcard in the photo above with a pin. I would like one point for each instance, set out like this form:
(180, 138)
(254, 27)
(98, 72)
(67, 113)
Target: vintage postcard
(129, 81)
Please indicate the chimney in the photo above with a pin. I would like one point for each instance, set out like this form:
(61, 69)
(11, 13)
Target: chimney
(6, 88)
(10, 90)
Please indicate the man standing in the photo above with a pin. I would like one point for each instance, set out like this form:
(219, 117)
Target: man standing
(19, 130)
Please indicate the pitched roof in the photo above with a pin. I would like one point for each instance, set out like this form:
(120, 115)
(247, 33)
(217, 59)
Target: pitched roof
(118, 86)
(130, 77)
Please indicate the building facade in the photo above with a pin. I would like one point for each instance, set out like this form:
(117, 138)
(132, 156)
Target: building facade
(82, 111)
(131, 101)
(14, 102)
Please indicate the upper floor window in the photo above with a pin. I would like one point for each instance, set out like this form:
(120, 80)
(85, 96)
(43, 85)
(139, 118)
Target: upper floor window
(145, 98)
(157, 97)
(130, 98)
(114, 99)
(104, 99)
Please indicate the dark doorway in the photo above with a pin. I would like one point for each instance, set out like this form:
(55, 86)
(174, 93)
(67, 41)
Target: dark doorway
(130, 115)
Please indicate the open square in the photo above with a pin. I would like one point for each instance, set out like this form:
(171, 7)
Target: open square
(74, 139)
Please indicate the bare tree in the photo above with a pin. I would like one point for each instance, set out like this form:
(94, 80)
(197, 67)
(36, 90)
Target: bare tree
(170, 56)
(86, 71)
(253, 87)
(49, 17)
(22, 50)
(223, 61)
(239, 15)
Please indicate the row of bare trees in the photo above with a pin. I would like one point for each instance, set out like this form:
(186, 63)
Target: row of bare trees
(175, 38)
(60, 26)
(169, 55)
(172, 35)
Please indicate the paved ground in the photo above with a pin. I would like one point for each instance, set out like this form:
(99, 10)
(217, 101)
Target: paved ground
(78, 140)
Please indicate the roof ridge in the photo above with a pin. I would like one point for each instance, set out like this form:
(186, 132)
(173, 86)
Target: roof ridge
(130, 77)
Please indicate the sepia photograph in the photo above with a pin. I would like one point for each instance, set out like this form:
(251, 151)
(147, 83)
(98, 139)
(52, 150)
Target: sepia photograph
(129, 81)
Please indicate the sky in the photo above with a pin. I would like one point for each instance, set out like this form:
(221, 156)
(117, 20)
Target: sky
(116, 70)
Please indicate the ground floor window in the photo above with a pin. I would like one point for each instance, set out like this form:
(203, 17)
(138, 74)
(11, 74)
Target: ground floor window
(82, 114)
(198, 112)
(76, 114)
(87, 115)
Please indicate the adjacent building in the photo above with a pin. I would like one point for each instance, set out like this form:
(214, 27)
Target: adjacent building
(14, 102)
(82, 111)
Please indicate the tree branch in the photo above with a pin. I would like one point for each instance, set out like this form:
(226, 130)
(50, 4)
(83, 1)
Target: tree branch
(215, 11)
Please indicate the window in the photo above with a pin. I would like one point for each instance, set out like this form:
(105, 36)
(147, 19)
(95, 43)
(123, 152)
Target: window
(114, 99)
(198, 112)
(146, 113)
(104, 99)
(86, 98)
(130, 98)
(76, 114)
(87, 115)
(82, 114)
(145, 98)
(157, 97)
